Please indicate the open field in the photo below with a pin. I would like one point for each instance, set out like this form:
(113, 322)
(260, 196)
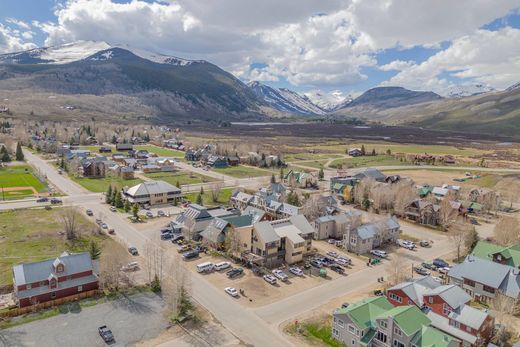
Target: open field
(383, 146)
(19, 182)
(160, 151)
(223, 198)
(34, 234)
(95, 150)
(311, 156)
(242, 171)
(378, 160)
(180, 177)
(99, 185)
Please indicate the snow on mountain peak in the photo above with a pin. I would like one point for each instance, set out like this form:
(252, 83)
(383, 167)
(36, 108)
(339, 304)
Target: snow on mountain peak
(463, 90)
(329, 101)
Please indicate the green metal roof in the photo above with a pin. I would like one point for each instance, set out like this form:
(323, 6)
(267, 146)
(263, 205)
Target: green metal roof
(423, 191)
(240, 221)
(368, 337)
(485, 250)
(364, 312)
(338, 186)
(431, 337)
(409, 318)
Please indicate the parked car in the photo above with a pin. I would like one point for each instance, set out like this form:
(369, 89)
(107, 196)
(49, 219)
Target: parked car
(231, 291)
(222, 265)
(190, 255)
(166, 236)
(296, 271)
(440, 263)
(280, 275)
(89, 212)
(379, 253)
(316, 263)
(332, 254)
(113, 209)
(444, 270)
(342, 262)
(160, 213)
(98, 221)
(270, 279)
(133, 266)
(106, 334)
(104, 226)
(133, 250)
(55, 201)
(339, 243)
(424, 243)
(149, 214)
(337, 268)
(177, 238)
(111, 231)
(42, 200)
(406, 244)
(234, 272)
(331, 241)
(184, 248)
(429, 266)
(421, 271)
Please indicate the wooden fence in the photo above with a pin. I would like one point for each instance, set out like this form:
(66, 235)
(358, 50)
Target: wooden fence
(17, 311)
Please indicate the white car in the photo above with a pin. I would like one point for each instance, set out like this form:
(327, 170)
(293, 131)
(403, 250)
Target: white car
(342, 261)
(331, 241)
(437, 279)
(444, 270)
(378, 253)
(280, 275)
(296, 271)
(231, 291)
(406, 244)
(104, 226)
(332, 254)
(270, 279)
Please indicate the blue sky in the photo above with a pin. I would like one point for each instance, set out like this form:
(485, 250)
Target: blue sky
(428, 47)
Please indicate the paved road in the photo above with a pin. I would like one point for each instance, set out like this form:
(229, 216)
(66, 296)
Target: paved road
(133, 319)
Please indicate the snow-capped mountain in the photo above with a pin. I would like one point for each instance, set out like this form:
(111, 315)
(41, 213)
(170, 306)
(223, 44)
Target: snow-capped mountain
(513, 87)
(329, 102)
(80, 50)
(285, 100)
(463, 90)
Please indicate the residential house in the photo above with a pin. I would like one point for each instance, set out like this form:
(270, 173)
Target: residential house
(51, 279)
(119, 158)
(447, 306)
(217, 231)
(105, 149)
(217, 161)
(371, 173)
(337, 226)
(124, 147)
(192, 155)
(269, 199)
(376, 322)
(126, 172)
(499, 254)
(241, 200)
(150, 168)
(196, 219)
(372, 235)
(486, 280)
(277, 242)
(152, 193)
(299, 179)
(342, 186)
(94, 167)
(423, 211)
(483, 196)
(166, 164)
(355, 152)
(233, 160)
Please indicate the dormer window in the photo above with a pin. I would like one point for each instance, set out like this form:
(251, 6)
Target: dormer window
(58, 265)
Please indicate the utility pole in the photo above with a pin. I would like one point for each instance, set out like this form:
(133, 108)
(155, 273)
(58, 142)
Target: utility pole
(3, 196)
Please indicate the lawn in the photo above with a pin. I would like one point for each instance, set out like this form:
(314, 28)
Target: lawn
(381, 147)
(95, 150)
(310, 156)
(242, 171)
(33, 235)
(317, 164)
(316, 333)
(378, 160)
(99, 185)
(223, 198)
(19, 176)
(181, 177)
(161, 151)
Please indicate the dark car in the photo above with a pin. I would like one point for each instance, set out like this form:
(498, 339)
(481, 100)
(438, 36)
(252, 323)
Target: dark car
(106, 334)
(190, 255)
(166, 236)
(439, 263)
(337, 268)
(234, 272)
(429, 266)
(55, 201)
(317, 264)
(132, 250)
(42, 200)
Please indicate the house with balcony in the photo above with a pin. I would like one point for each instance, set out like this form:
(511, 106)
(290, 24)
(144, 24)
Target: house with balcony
(368, 236)
(195, 219)
(336, 226)
(376, 322)
(51, 279)
(152, 193)
(499, 254)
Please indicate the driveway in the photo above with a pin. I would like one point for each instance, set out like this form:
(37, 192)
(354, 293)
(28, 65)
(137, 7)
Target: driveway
(136, 318)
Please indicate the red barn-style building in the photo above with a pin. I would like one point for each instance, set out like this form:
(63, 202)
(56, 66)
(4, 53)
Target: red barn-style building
(51, 279)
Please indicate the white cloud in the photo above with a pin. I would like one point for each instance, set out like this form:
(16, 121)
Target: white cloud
(489, 57)
(12, 40)
(19, 23)
(397, 65)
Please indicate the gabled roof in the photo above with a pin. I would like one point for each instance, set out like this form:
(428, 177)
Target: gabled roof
(367, 231)
(302, 224)
(431, 337)
(416, 289)
(453, 295)
(240, 221)
(266, 232)
(443, 323)
(214, 230)
(363, 313)
(469, 316)
(257, 213)
(152, 187)
(409, 318)
(485, 250)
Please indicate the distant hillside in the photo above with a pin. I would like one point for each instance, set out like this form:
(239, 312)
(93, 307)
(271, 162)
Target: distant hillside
(388, 97)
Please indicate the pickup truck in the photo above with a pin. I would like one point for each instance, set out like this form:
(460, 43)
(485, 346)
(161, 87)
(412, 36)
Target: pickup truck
(106, 334)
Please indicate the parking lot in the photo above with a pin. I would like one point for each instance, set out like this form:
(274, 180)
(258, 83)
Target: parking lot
(132, 319)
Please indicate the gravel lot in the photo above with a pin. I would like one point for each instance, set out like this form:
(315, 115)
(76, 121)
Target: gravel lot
(132, 319)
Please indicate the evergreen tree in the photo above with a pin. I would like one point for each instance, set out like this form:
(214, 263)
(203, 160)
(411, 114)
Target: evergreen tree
(273, 179)
(178, 185)
(119, 200)
(321, 174)
(156, 284)
(30, 145)
(363, 150)
(108, 195)
(199, 200)
(388, 151)
(114, 194)
(94, 250)
(281, 174)
(201, 190)
(373, 151)
(135, 210)
(114, 139)
(127, 206)
(4, 155)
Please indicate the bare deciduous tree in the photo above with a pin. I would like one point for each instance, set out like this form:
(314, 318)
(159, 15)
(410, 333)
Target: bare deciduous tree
(447, 214)
(154, 260)
(312, 208)
(406, 193)
(70, 220)
(232, 242)
(216, 188)
(111, 264)
(507, 231)
(396, 269)
(458, 237)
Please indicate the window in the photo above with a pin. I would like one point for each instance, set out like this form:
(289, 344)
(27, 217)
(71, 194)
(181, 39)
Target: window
(334, 319)
(335, 332)
(383, 324)
(396, 297)
(468, 329)
(341, 323)
(397, 344)
(430, 299)
(381, 337)
(446, 309)
(351, 329)
(353, 342)
(469, 282)
(397, 331)
(53, 295)
(489, 289)
(455, 324)
(28, 286)
(80, 288)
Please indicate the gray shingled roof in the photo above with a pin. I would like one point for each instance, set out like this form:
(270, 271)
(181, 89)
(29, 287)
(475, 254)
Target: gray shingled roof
(367, 231)
(469, 316)
(152, 187)
(453, 295)
(266, 232)
(482, 271)
(302, 224)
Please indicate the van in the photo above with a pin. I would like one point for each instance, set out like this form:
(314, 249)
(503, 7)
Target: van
(222, 265)
(205, 267)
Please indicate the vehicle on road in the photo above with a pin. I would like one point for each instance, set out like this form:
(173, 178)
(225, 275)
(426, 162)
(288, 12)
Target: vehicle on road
(111, 231)
(89, 212)
(343, 261)
(429, 266)
(106, 334)
(379, 253)
(113, 209)
(234, 272)
(296, 271)
(270, 279)
(133, 266)
(332, 254)
(222, 265)
(316, 263)
(104, 226)
(424, 243)
(149, 214)
(160, 213)
(42, 200)
(280, 275)
(190, 255)
(205, 267)
(421, 271)
(55, 201)
(339, 243)
(440, 263)
(337, 268)
(331, 241)
(231, 291)
(133, 250)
